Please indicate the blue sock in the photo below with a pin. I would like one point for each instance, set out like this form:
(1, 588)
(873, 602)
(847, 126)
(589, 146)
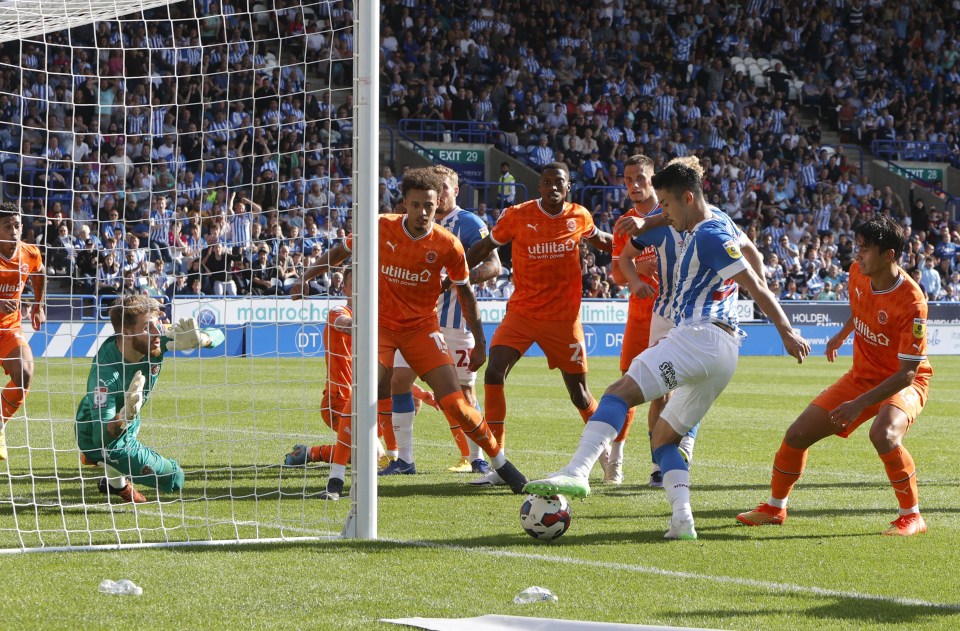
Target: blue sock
(611, 410)
(403, 402)
(693, 432)
(669, 458)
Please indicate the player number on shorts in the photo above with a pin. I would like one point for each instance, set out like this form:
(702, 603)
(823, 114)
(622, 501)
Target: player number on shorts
(577, 353)
(463, 357)
(441, 343)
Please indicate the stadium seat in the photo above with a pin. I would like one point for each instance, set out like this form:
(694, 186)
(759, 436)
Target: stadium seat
(760, 81)
(763, 63)
(740, 67)
(750, 61)
(736, 60)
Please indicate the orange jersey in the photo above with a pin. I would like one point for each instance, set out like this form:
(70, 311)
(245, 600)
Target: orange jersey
(338, 354)
(889, 325)
(546, 258)
(410, 271)
(640, 308)
(14, 272)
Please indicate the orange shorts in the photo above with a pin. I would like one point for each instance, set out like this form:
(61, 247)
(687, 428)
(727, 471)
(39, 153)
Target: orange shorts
(332, 409)
(9, 342)
(424, 348)
(561, 341)
(636, 339)
(848, 387)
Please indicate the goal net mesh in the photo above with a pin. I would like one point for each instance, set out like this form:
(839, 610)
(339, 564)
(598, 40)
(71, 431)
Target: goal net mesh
(166, 148)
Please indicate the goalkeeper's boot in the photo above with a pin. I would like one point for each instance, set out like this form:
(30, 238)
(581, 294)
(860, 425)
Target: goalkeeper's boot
(399, 467)
(129, 493)
(559, 483)
(512, 477)
(763, 515)
(298, 456)
(3, 441)
(480, 466)
(463, 466)
(681, 529)
(333, 491)
(906, 526)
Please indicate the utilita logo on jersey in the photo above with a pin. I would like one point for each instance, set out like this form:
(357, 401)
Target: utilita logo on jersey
(551, 249)
(404, 276)
(874, 338)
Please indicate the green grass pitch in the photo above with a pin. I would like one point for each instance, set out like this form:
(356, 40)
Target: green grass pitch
(449, 550)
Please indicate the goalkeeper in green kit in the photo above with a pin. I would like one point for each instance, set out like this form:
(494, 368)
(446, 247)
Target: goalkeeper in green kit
(124, 373)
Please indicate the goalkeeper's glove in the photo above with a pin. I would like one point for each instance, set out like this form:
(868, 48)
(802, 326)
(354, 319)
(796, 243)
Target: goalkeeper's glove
(133, 399)
(186, 336)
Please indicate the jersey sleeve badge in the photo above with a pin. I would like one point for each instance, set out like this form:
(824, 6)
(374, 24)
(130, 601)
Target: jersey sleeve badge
(919, 328)
(100, 394)
(733, 249)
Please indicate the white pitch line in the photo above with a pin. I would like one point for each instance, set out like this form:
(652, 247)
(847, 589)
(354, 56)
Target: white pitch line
(726, 580)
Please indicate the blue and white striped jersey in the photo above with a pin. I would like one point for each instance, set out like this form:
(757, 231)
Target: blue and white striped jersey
(695, 269)
(469, 228)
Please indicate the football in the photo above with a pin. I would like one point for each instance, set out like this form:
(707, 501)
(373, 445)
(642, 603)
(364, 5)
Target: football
(545, 518)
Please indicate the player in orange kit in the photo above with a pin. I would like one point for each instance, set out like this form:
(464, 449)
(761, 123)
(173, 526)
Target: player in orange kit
(545, 306)
(18, 261)
(888, 380)
(413, 251)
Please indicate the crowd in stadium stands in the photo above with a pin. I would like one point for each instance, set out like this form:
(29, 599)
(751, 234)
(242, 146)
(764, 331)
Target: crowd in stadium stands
(589, 85)
(183, 153)
(198, 163)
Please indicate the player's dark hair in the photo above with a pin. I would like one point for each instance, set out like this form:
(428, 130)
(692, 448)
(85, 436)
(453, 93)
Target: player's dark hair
(9, 209)
(680, 176)
(557, 166)
(638, 158)
(126, 310)
(883, 232)
(424, 179)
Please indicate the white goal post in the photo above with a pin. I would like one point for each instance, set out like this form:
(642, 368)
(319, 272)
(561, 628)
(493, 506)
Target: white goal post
(226, 103)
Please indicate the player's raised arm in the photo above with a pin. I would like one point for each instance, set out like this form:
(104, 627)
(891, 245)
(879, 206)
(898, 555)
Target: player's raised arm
(792, 341)
(628, 268)
(601, 240)
(331, 258)
(480, 251)
(468, 304)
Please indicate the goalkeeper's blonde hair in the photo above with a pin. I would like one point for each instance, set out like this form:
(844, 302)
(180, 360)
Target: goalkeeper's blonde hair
(127, 309)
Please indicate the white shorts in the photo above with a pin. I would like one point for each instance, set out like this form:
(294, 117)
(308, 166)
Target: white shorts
(694, 361)
(659, 327)
(459, 344)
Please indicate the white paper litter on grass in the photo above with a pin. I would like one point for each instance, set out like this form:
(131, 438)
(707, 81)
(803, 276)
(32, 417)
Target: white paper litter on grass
(513, 623)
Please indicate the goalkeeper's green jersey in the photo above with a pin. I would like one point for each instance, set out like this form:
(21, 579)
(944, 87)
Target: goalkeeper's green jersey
(110, 376)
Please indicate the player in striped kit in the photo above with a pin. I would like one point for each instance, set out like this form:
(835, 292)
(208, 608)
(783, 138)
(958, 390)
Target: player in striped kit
(18, 262)
(699, 255)
(470, 229)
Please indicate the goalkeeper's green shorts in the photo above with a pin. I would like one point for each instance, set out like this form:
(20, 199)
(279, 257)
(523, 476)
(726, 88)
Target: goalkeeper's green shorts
(142, 464)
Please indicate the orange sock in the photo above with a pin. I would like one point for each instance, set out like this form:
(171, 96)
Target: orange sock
(587, 413)
(385, 423)
(495, 408)
(340, 452)
(788, 466)
(459, 437)
(320, 453)
(11, 400)
(625, 430)
(457, 410)
(902, 473)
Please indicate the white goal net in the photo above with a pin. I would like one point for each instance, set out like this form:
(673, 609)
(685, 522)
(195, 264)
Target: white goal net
(198, 152)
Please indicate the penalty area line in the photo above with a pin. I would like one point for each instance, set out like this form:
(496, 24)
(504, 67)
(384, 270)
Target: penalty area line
(771, 586)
